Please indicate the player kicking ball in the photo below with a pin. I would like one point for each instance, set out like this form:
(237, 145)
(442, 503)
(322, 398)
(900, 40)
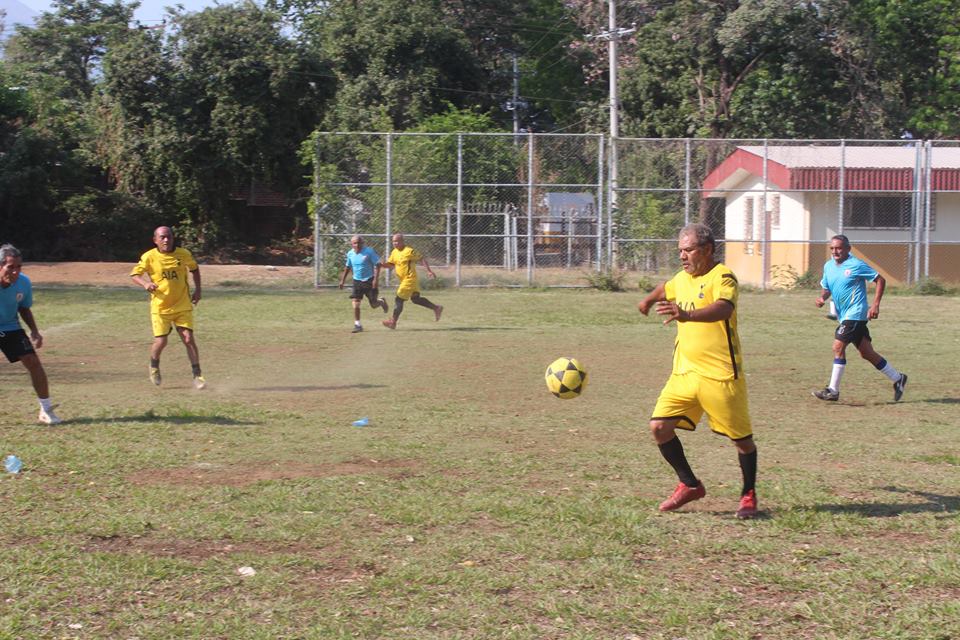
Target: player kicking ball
(707, 372)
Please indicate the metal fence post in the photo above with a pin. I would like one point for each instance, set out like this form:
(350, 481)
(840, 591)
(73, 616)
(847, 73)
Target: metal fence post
(686, 182)
(459, 204)
(388, 201)
(842, 185)
(530, 183)
(927, 204)
(600, 201)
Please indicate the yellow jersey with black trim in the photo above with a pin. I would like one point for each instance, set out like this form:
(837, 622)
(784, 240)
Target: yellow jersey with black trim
(710, 349)
(170, 272)
(404, 262)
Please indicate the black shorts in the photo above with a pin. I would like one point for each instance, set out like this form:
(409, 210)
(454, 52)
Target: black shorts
(364, 289)
(15, 344)
(852, 331)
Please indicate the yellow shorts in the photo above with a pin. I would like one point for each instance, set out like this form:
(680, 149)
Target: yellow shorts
(163, 323)
(689, 396)
(407, 288)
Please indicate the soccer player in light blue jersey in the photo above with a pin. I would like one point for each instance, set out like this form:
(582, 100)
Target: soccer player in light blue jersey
(365, 264)
(845, 278)
(16, 298)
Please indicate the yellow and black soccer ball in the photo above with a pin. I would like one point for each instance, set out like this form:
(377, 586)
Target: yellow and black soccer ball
(566, 378)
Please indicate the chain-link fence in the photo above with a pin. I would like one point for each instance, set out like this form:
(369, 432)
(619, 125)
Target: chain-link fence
(545, 209)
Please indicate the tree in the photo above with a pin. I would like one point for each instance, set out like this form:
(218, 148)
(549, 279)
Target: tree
(220, 100)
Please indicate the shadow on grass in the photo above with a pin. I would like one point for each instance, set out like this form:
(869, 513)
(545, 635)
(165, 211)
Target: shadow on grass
(148, 417)
(465, 329)
(935, 503)
(308, 387)
(942, 401)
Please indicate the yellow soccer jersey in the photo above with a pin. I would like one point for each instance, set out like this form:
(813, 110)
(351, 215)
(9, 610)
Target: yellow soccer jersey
(170, 272)
(405, 263)
(711, 349)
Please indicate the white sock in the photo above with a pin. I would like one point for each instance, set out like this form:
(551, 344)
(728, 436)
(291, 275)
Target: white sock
(356, 323)
(836, 374)
(46, 404)
(889, 371)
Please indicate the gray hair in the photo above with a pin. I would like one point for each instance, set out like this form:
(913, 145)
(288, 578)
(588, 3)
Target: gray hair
(701, 233)
(842, 238)
(9, 251)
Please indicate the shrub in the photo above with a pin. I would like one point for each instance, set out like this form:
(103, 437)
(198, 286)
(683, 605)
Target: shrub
(605, 281)
(931, 287)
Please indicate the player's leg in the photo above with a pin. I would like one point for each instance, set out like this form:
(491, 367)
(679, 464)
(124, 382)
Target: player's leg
(357, 327)
(725, 403)
(38, 378)
(842, 337)
(423, 302)
(677, 407)
(193, 354)
(162, 326)
(898, 378)
(404, 292)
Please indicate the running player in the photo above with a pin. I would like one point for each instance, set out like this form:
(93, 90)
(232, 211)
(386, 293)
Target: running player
(845, 279)
(364, 262)
(16, 298)
(163, 272)
(404, 260)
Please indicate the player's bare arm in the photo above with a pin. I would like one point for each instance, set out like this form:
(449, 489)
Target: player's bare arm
(426, 266)
(824, 296)
(874, 311)
(144, 281)
(195, 297)
(343, 276)
(658, 294)
(29, 320)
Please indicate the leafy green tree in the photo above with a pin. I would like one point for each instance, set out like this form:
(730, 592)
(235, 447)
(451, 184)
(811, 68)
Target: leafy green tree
(192, 116)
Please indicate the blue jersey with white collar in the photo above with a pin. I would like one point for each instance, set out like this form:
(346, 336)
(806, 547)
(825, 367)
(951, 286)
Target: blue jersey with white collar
(12, 299)
(847, 283)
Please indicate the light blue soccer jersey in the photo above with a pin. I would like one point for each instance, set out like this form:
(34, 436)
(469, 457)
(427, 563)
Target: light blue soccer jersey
(847, 283)
(17, 295)
(362, 263)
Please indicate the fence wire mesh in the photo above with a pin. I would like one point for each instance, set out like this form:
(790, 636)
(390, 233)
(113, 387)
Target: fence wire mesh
(554, 210)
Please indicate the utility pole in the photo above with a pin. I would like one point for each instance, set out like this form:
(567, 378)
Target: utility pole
(612, 35)
(516, 103)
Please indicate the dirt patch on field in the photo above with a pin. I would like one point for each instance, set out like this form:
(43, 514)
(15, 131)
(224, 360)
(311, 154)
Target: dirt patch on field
(116, 274)
(241, 475)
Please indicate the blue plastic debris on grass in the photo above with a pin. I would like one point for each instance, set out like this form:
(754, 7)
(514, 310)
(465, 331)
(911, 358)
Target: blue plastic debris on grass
(362, 422)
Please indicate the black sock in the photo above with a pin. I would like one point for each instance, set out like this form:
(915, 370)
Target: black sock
(748, 465)
(672, 452)
(196, 369)
(155, 363)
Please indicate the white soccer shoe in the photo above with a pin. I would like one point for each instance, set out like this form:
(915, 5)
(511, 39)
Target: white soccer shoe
(48, 417)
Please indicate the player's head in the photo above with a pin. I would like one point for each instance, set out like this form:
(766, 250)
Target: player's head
(164, 239)
(10, 264)
(697, 245)
(839, 248)
(356, 242)
(398, 242)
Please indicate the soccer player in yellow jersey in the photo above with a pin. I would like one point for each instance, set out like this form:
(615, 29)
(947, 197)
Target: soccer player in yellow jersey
(403, 260)
(707, 372)
(163, 272)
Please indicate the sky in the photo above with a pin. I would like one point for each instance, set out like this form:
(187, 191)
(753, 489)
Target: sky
(150, 12)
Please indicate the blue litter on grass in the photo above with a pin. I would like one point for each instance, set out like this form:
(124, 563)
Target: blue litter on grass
(362, 422)
(12, 464)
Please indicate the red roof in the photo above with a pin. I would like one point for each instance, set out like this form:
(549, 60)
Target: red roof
(788, 172)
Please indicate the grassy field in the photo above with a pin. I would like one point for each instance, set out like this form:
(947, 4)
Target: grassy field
(474, 504)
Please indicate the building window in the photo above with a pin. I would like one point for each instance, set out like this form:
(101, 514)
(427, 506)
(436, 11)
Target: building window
(878, 211)
(775, 210)
(748, 225)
